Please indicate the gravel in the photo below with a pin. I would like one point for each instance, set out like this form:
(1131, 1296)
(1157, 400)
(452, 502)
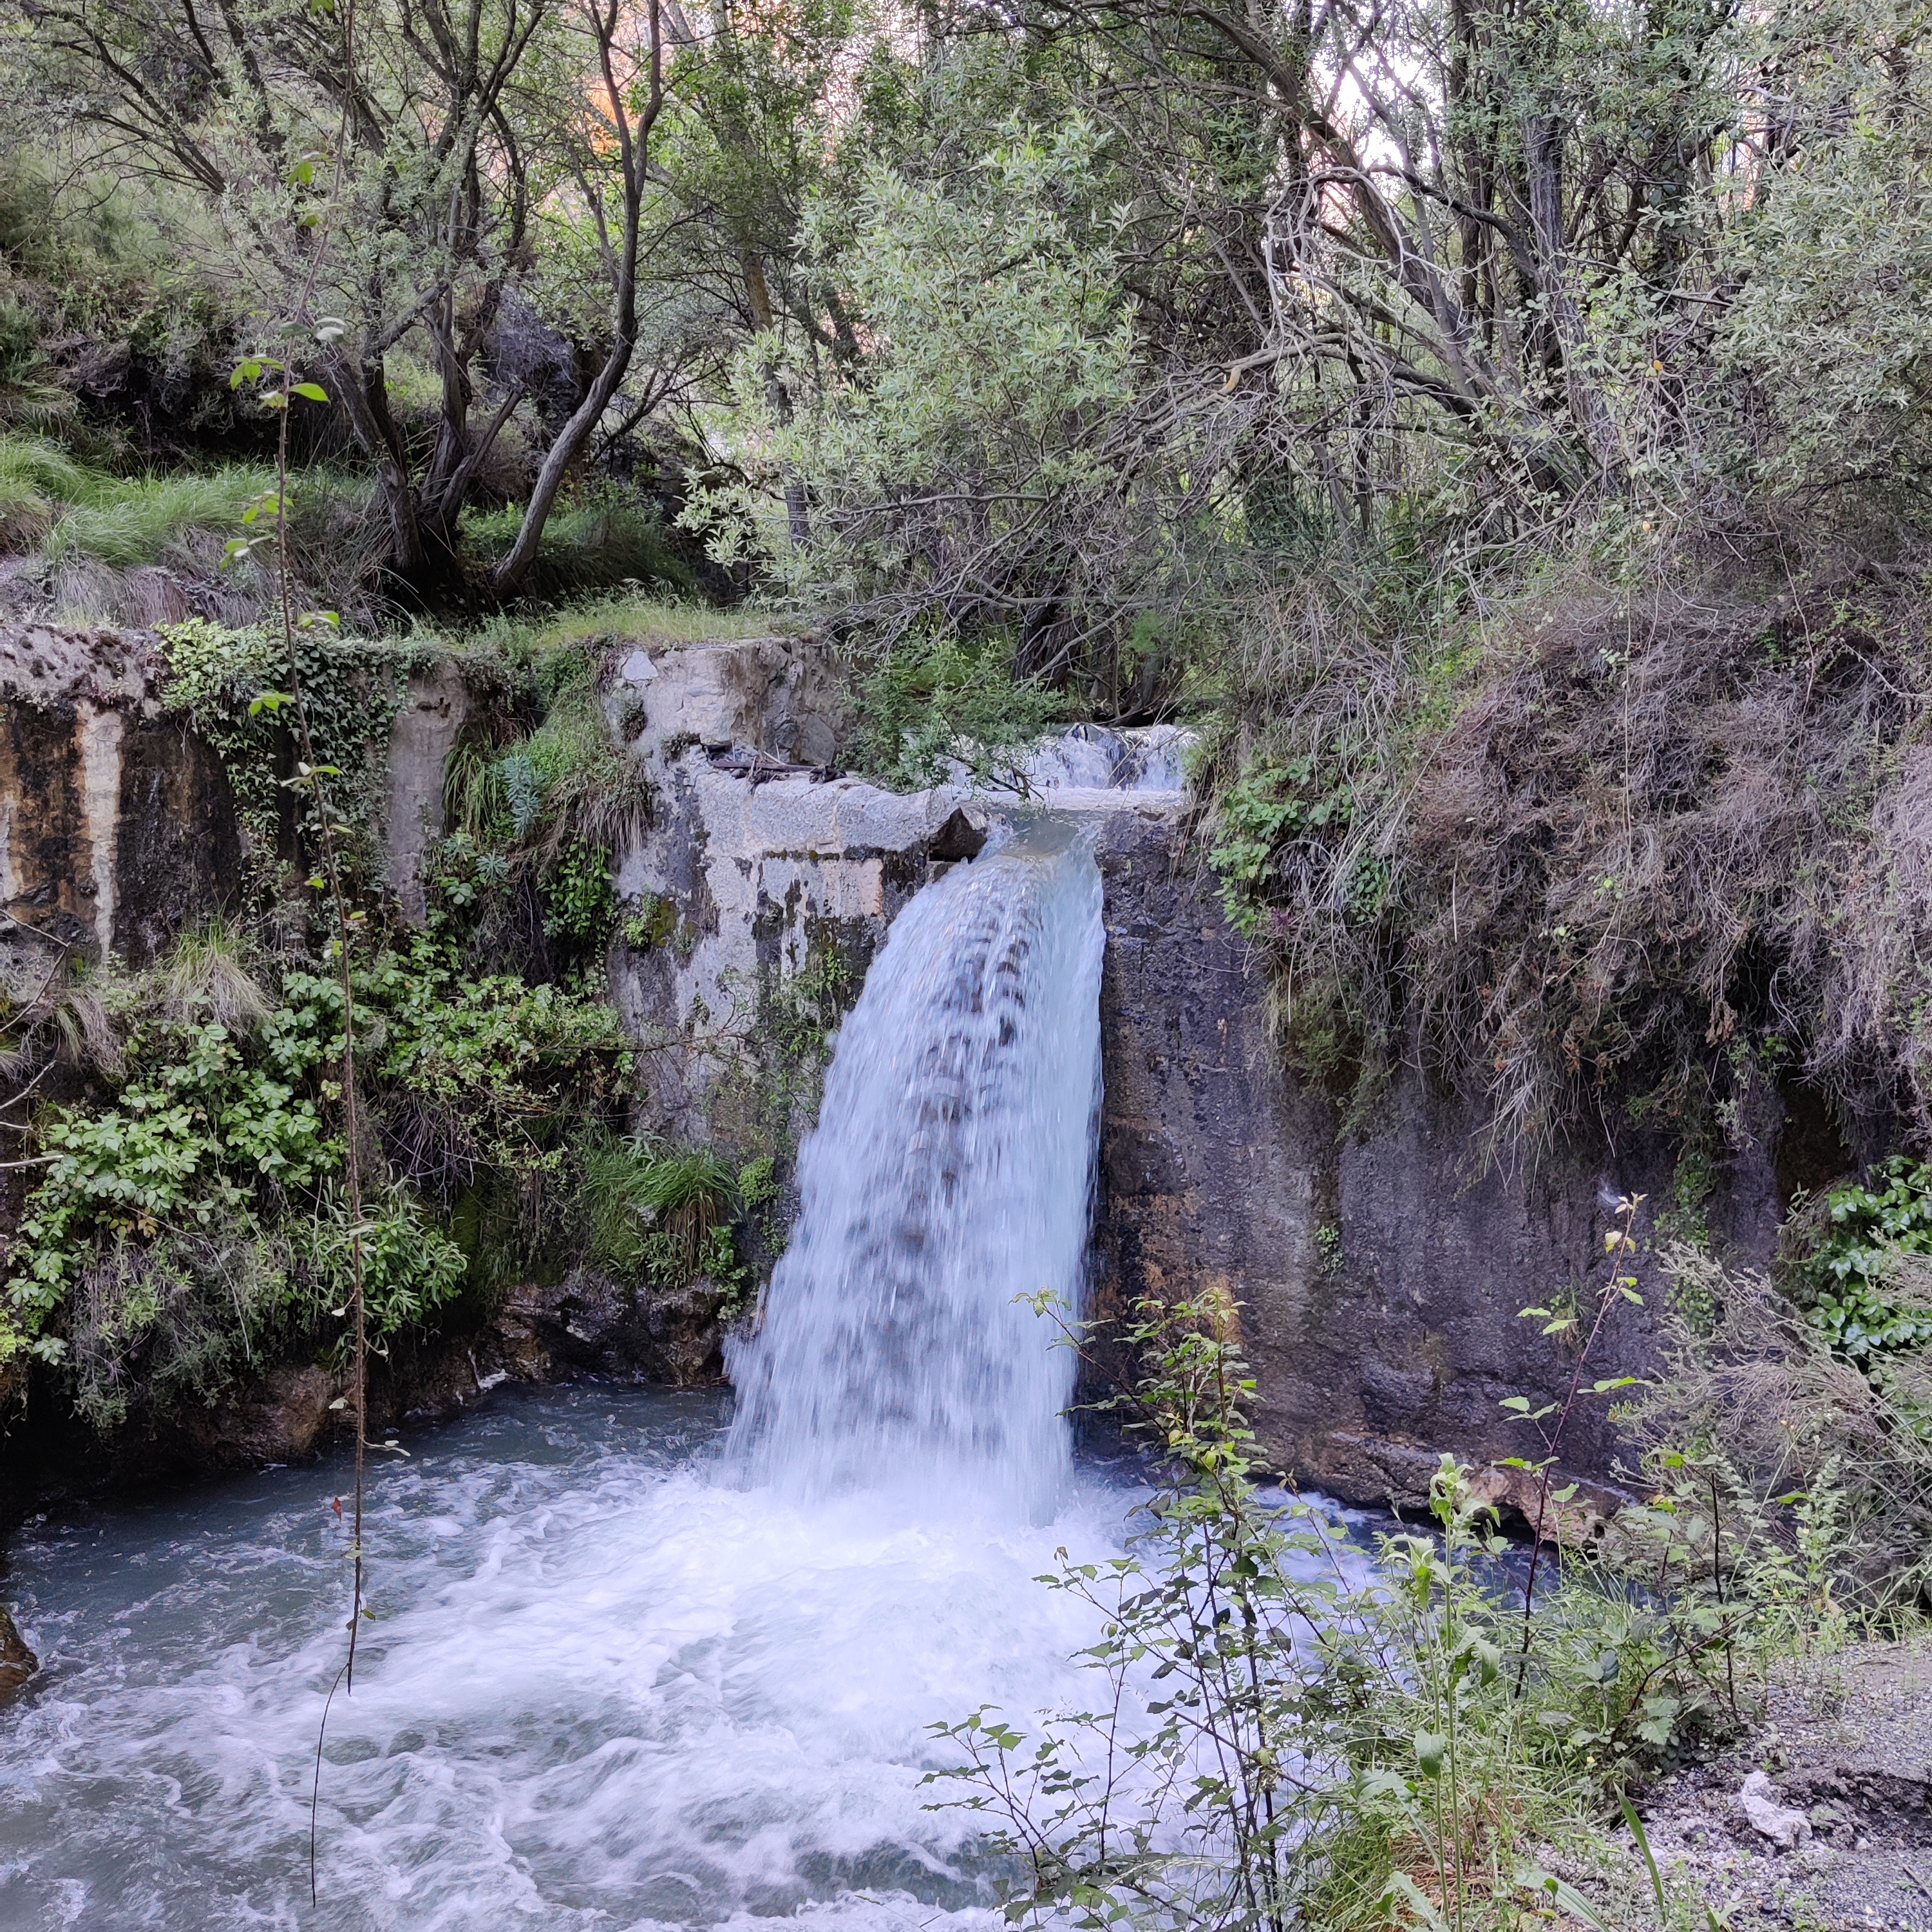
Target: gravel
(1847, 1740)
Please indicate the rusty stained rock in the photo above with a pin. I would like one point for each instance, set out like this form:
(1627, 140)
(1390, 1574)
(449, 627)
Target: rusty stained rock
(17, 1662)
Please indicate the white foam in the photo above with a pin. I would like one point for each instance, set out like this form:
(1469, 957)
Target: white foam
(598, 1692)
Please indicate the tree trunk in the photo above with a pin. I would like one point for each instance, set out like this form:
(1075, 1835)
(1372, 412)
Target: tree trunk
(606, 18)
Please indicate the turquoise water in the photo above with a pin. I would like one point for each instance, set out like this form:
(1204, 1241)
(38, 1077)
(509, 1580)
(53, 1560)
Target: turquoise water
(601, 1688)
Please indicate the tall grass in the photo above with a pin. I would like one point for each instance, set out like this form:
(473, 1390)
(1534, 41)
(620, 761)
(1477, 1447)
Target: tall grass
(655, 1213)
(69, 510)
(630, 616)
(587, 547)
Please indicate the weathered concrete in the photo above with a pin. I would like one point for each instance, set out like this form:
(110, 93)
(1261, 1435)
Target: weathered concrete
(746, 886)
(422, 734)
(116, 823)
(739, 885)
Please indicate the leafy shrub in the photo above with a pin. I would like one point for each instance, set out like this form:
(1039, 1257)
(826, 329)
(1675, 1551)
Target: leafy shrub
(482, 1071)
(1328, 1740)
(351, 686)
(409, 1269)
(579, 895)
(1270, 809)
(1854, 1306)
(1762, 1400)
(189, 1219)
(932, 703)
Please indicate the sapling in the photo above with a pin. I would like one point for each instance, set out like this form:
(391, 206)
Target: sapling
(1620, 1242)
(278, 388)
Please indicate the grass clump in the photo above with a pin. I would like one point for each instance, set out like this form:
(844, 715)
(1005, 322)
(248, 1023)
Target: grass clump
(124, 522)
(593, 623)
(608, 539)
(1602, 848)
(37, 478)
(66, 508)
(661, 1216)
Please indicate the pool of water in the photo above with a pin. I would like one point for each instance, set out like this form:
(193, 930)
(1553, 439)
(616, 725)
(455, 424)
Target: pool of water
(601, 1688)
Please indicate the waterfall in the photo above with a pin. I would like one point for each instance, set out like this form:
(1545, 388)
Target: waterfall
(707, 1703)
(950, 1173)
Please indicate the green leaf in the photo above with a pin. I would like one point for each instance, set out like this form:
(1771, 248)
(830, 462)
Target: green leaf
(1643, 1846)
(312, 392)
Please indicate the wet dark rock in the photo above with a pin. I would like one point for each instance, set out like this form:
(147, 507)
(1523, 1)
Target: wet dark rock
(592, 1325)
(1379, 1266)
(280, 1419)
(17, 1662)
(962, 836)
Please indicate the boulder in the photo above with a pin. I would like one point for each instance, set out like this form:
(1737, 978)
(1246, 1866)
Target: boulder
(17, 1662)
(1785, 1829)
(962, 836)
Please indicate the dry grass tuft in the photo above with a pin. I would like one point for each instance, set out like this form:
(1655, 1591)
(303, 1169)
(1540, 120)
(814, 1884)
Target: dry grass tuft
(1632, 851)
(1763, 1391)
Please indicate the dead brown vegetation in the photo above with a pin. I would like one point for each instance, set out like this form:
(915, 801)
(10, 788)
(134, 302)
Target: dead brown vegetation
(1628, 852)
(1754, 1386)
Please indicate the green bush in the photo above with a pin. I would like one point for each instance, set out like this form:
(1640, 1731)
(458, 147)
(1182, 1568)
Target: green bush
(409, 1269)
(580, 896)
(190, 1218)
(932, 702)
(1288, 1729)
(1854, 1303)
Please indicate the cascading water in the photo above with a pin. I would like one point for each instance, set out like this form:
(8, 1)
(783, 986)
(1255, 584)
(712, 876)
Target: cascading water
(948, 1181)
(603, 1687)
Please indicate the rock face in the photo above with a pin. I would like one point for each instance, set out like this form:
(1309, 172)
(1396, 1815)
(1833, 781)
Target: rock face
(1379, 1268)
(1379, 1275)
(118, 827)
(761, 898)
(115, 822)
(17, 1662)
